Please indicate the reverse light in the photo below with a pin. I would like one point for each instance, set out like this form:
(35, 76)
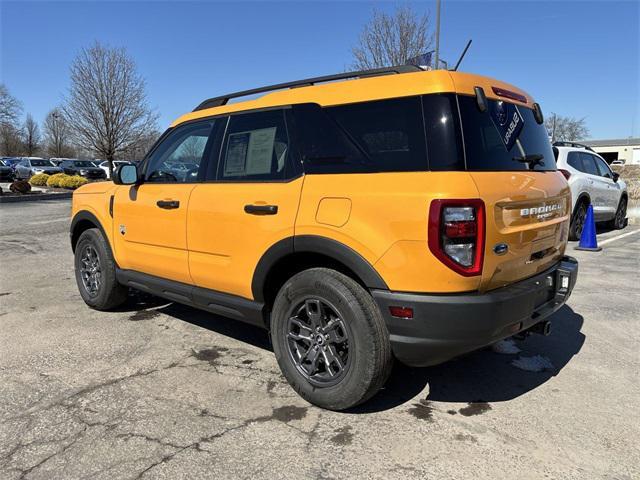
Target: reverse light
(566, 173)
(457, 234)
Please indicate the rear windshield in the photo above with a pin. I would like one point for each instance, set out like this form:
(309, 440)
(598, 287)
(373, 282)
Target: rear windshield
(484, 145)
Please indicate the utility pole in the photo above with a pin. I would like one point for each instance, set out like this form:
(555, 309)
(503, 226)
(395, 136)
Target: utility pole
(437, 34)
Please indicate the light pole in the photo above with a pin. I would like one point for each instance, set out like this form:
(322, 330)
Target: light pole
(437, 34)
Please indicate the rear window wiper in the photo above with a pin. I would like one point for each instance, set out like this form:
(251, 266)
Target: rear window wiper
(532, 159)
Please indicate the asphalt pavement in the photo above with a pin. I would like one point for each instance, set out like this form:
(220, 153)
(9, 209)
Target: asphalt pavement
(159, 390)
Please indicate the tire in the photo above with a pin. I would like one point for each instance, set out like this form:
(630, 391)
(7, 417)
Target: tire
(93, 255)
(354, 332)
(577, 221)
(619, 221)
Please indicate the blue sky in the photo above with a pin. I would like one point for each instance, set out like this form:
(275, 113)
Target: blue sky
(576, 58)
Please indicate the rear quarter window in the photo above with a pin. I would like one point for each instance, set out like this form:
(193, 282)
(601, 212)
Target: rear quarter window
(368, 137)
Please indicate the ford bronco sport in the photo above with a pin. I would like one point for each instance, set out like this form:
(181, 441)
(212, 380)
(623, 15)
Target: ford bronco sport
(358, 217)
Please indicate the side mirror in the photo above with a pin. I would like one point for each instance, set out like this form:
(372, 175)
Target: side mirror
(126, 175)
(616, 176)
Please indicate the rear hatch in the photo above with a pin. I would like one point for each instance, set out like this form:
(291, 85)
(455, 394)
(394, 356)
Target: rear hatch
(527, 201)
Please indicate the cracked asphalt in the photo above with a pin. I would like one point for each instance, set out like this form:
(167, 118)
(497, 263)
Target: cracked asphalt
(159, 390)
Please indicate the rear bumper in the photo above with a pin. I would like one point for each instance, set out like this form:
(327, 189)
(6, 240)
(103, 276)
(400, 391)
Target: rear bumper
(448, 325)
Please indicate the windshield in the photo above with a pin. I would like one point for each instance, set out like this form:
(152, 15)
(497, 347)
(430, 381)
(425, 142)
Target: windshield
(485, 148)
(41, 163)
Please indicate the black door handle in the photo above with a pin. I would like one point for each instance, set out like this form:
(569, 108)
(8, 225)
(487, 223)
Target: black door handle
(168, 204)
(261, 209)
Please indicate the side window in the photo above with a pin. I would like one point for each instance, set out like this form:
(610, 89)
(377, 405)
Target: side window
(589, 164)
(603, 168)
(444, 139)
(255, 147)
(575, 160)
(389, 133)
(178, 157)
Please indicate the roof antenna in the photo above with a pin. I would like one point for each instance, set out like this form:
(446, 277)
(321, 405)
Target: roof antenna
(462, 56)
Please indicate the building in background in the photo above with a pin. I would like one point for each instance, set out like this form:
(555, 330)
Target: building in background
(625, 149)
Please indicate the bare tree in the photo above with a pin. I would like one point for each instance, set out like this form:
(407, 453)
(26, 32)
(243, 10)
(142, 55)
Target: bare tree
(31, 136)
(10, 140)
(10, 135)
(10, 107)
(57, 134)
(566, 129)
(389, 40)
(107, 107)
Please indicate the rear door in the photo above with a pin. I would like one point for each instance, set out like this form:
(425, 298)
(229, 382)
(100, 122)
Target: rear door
(150, 220)
(247, 204)
(527, 204)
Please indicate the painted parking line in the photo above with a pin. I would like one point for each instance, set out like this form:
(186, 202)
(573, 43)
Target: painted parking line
(608, 240)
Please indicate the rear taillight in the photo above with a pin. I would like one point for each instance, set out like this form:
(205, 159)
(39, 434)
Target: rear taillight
(566, 173)
(456, 234)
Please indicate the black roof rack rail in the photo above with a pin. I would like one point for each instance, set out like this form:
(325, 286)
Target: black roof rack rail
(572, 144)
(222, 100)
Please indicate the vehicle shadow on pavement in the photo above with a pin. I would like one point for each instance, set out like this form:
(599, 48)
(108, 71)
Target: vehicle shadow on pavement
(235, 329)
(479, 377)
(484, 376)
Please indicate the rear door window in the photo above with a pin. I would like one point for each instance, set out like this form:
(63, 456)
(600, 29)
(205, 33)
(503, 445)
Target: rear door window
(484, 148)
(256, 147)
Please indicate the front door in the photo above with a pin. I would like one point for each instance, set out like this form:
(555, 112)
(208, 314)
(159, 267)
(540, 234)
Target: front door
(597, 186)
(613, 189)
(150, 219)
(247, 204)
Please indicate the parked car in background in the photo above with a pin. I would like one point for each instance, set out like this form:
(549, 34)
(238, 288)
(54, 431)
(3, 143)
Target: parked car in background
(84, 168)
(30, 166)
(104, 165)
(617, 162)
(6, 172)
(12, 162)
(592, 182)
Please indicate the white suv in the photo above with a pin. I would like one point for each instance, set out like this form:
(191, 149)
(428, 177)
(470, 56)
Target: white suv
(591, 182)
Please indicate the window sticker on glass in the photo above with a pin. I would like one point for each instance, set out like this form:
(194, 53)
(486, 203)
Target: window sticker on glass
(507, 120)
(260, 151)
(236, 154)
(250, 153)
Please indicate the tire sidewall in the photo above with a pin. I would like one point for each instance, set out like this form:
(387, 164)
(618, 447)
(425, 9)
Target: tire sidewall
(354, 385)
(94, 238)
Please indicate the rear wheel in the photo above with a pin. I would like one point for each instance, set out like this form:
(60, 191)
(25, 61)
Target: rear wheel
(330, 339)
(96, 272)
(577, 221)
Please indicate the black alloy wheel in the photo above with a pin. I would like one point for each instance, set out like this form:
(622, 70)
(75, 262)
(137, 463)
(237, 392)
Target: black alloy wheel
(318, 342)
(90, 270)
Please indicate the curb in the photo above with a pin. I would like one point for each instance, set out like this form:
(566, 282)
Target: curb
(35, 197)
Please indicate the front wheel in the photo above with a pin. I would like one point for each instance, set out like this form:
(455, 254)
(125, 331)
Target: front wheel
(330, 339)
(621, 214)
(96, 272)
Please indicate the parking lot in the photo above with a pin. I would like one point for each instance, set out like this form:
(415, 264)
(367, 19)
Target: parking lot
(158, 390)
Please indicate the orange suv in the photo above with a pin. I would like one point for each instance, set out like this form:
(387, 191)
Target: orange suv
(358, 217)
